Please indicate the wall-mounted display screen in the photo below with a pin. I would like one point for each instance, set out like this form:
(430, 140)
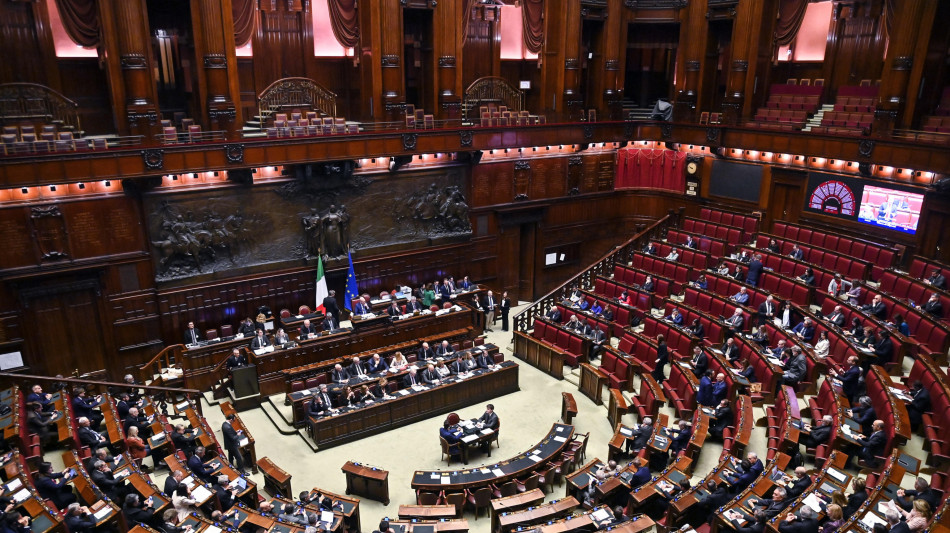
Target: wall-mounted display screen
(890, 208)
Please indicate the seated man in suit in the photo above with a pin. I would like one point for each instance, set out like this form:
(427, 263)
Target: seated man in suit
(864, 414)
(260, 340)
(681, 435)
(236, 360)
(307, 331)
(183, 441)
(227, 497)
(356, 369)
(675, 317)
(894, 522)
(735, 321)
(938, 281)
(650, 248)
(837, 317)
(414, 305)
(801, 483)
(730, 350)
(690, 243)
(172, 482)
(819, 434)
(140, 421)
(933, 306)
(425, 353)
(718, 495)
(776, 505)
(805, 522)
(330, 323)
(393, 309)
(489, 419)
(376, 364)
(919, 405)
(796, 253)
(554, 315)
(648, 285)
(86, 407)
(88, 436)
(483, 360)
(44, 399)
(452, 435)
(883, 348)
(796, 368)
(922, 491)
(362, 307)
(107, 483)
(598, 340)
(458, 366)
(724, 417)
(192, 336)
(805, 330)
(741, 297)
(444, 349)
(431, 376)
(412, 378)
(641, 475)
(756, 463)
(339, 375)
(641, 435)
(743, 477)
(198, 467)
(873, 445)
(876, 308)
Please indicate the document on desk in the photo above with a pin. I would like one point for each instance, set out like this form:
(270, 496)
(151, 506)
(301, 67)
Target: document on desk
(534, 458)
(14, 485)
(869, 519)
(486, 431)
(212, 529)
(497, 472)
(560, 439)
(446, 480)
(599, 515)
(244, 442)
(813, 501)
(200, 493)
(22, 495)
(102, 513)
(469, 438)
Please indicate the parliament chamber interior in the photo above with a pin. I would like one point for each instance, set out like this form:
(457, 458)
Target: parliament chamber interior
(289, 266)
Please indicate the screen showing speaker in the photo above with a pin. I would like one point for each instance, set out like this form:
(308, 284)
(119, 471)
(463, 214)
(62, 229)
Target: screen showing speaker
(890, 208)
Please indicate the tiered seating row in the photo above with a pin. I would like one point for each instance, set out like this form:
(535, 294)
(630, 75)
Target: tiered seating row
(842, 263)
(678, 341)
(727, 287)
(879, 256)
(694, 258)
(935, 421)
(787, 288)
(575, 346)
(680, 274)
(792, 268)
(748, 223)
(906, 287)
(636, 277)
(730, 234)
(715, 330)
(714, 247)
(935, 334)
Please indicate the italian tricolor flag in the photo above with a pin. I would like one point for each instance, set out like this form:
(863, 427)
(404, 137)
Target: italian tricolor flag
(322, 291)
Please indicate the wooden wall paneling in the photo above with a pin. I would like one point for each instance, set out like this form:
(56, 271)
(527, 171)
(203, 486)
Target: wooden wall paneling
(607, 87)
(694, 33)
(552, 58)
(935, 68)
(934, 243)
(128, 53)
(448, 57)
(760, 60)
(745, 32)
(89, 87)
(786, 195)
(247, 86)
(391, 58)
(218, 85)
(27, 42)
(910, 33)
(371, 60)
(481, 53)
(572, 94)
(856, 46)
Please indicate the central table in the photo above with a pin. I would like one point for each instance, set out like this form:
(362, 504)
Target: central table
(367, 481)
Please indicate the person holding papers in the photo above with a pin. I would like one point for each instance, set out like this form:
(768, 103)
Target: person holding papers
(198, 467)
(232, 442)
(183, 503)
(227, 493)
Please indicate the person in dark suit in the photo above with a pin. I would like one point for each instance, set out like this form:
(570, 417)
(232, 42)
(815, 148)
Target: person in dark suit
(857, 498)
(681, 436)
(483, 360)
(330, 307)
(883, 348)
(837, 317)
(123, 404)
(808, 277)
(505, 308)
(801, 483)
(232, 442)
(759, 520)
(330, 323)
(227, 497)
(444, 349)
(192, 336)
(198, 467)
(138, 512)
(676, 318)
(735, 322)
(819, 434)
(796, 368)
(598, 340)
(139, 421)
(260, 340)
(376, 364)
(755, 270)
(339, 374)
(662, 359)
(356, 368)
(393, 309)
(747, 371)
(805, 522)
(922, 491)
(717, 497)
(247, 328)
(104, 479)
(933, 306)
(776, 505)
(235, 360)
(894, 522)
(872, 446)
(431, 376)
(937, 279)
(308, 331)
(53, 486)
(756, 463)
(89, 437)
(919, 405)
(79, 519)
(554, 315)
(704, 396)
(412, 378)
(362, 307)
(452, 435)
(805, 330)
(724, 417)
(44, 399)
(172, 482)
(648, 285)
(850, 378)
(697, 329)
(458, 366)
(690, 243)
(86, 407)
(876, 308)
(730, 350)
(641, 435)
(489, 419)
(642, 474)
(183, 441)
(650, 248)
(316, 407)
(745, 478)
(700, 362)
(864, 414)
(796, 253)
(425, 353)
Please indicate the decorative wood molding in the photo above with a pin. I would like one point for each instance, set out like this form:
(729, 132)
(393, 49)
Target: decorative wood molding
(740, 65)
(447, 61)
(655, 4)
(571, 63)
(150, 115)
(666, 130)
(865, 147)
(612, 64)
(574, 160)
(27, 294)
(133, 62)
(713, 135)
(693, 66)
(234, 153)
(409, 141)
(522, 164)
(465, 138)
(215, 61)
(154, 158)
(43, 211)
(390, 61)
(228, 113)
(588, 131)
(903, 62)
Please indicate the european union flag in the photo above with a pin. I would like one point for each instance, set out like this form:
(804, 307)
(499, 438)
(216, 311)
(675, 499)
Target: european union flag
(351, 291)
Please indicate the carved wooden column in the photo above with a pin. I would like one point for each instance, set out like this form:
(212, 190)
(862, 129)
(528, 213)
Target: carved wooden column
(914, 18)
(129, 61)
(393, 70)
(448, 40)
(571, 42)
(748, 22)
(560, 65)
(218, 88)
(606, 84)
(694, 30)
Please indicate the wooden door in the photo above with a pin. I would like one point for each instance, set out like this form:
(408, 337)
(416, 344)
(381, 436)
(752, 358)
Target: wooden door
(526, 256)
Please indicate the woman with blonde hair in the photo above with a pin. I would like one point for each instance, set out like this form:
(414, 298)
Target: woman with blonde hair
(136, 446)
(918, 517)
(399, 361)
(835, 517)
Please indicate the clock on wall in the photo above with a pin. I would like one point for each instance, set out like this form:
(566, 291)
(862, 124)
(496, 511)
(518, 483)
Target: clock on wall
(692, 168)
(692, 175)
(834, 198)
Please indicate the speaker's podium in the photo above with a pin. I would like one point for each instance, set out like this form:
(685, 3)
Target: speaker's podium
(245, 391)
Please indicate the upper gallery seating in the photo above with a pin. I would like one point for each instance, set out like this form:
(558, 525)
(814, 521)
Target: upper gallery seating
(788, 106)
(853, 112)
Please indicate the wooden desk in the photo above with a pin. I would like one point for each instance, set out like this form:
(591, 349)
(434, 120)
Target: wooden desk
(568, 407)
(351, 507)
(247, 444)
(546, 357)
(276, 480)
(664, 484)
(367, 481)
(558, 438)
(384, 415)
(432, 512)
(592, 383)
(542, 513)
(616, 407)
(429, 526)
(514, 503)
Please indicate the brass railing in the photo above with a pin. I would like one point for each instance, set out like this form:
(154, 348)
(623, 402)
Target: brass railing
(604, 266)
(287, 94)
(35, 103)
(494, 90)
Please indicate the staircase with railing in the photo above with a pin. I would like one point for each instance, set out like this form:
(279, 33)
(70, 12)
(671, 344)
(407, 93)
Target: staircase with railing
(604, 266)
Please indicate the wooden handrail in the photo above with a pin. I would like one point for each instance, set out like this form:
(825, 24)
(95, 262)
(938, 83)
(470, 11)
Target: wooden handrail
(297, 92)
(30, 101)
(169, 353)
(492, 88)
(602, 266)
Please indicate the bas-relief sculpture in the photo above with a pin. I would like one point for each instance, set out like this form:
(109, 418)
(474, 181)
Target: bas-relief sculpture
(325, 210)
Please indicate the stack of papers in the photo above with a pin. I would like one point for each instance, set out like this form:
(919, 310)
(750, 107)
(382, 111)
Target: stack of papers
(244, 442)
(22, 495)
(200, 493)
(102, 513)
(600, 515)
(13, 485)
(813, 501)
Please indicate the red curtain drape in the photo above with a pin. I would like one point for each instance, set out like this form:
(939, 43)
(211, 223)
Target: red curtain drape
(242, 11)
(344, 22)
(81, 20)
(532, 17)
(650, 169)
(790, 16)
